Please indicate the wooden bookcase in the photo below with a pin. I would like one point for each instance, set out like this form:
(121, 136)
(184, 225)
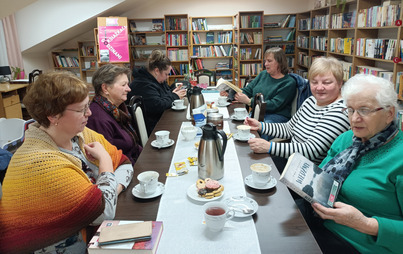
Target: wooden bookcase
(279, 31)
(88, 59)
(347, 31)
(177, 44)
(212, 45)
(66, 59)
(145, 35)
(250, 44)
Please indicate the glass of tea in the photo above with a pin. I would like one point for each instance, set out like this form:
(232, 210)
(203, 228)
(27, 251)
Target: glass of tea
(216, 215)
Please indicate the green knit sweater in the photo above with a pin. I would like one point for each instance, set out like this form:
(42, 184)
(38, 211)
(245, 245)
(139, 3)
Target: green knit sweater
(375, 187)
(278, 93)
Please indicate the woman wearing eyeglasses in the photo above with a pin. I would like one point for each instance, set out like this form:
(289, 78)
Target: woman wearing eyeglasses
(110, 116)
(63, 177)
(316, 124)
(368, 160)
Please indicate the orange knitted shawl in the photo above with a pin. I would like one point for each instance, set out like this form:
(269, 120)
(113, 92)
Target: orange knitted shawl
(46, 195)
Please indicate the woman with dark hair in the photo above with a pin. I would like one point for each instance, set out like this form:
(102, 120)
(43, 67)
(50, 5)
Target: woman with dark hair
(150, 83)
(277, 87)
(110, 116)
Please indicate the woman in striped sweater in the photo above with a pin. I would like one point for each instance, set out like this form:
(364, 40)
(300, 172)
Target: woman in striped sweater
(316, 124)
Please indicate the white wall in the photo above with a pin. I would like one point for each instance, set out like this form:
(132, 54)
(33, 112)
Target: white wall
(75, 11)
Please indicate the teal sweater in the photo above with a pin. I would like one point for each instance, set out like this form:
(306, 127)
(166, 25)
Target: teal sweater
(375, 187)
(278, 93)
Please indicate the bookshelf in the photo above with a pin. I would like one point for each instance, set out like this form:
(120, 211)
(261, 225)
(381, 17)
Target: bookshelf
(249, 45)
(279, 31)
(66, 59)
(212, 45)
(87, 59)
(365, 37)
(145, 35)
(177, 45)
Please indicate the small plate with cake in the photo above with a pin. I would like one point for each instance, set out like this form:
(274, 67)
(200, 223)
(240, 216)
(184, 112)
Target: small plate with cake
(205, 190)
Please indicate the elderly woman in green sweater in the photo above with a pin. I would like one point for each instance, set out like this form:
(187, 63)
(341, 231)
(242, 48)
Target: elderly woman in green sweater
(368, 161)
(277, 87)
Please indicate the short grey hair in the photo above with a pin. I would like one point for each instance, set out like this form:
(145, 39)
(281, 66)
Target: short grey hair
(385, 92)
(106, 74)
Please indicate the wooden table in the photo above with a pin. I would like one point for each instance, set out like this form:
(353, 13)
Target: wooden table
(10, 100)
(279, 224)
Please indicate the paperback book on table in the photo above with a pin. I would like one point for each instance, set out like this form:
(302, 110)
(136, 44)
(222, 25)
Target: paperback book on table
(309, 181)
(119, 237)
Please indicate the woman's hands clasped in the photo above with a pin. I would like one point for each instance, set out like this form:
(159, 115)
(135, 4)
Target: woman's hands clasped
(349, 216)
(96, 151)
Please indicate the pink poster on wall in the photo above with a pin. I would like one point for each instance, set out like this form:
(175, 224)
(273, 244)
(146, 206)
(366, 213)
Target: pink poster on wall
(113, 44)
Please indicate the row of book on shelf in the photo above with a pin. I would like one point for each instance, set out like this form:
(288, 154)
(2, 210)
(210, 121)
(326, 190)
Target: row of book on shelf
(248, 54)
(213, 51)
(180, 69)
(344, 20)
(222, 37)
(288, 21)
(377, 48)
(319, 43)
(341, 45)
(154, 25)
(65, 61)
(287, 48)
(199, 24)
(250, 69)
(379, 16)
(176, 39)
(320, 22)
(87, 50)
(251, 21)
(176, 23)
(279, 38)
(176, 54)
(142, 39)
(251, 38)
(375, 16)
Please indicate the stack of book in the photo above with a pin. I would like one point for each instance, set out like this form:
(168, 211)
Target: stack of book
(116, 236)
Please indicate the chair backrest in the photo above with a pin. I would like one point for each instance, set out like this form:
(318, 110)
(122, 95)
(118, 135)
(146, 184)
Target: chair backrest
(303, 92)
(136, 109)
(205, 76)
(33, 74)
(259, 107)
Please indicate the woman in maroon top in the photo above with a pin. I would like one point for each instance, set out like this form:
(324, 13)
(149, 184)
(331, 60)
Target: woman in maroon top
(110, 116)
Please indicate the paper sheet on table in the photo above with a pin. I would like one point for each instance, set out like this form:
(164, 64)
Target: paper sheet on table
(183, 217)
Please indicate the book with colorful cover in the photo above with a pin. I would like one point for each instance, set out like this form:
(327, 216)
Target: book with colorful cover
(148, 247)
(309, 181)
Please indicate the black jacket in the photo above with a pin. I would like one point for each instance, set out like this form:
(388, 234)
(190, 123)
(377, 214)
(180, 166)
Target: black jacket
(157, 97)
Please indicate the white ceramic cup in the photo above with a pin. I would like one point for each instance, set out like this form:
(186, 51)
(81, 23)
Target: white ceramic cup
(162, 137)
(222, 100)
(189, 132)
(178, 103)
(260, 173)
(240, 113)
(148, 181)
(216, 215)
(243, 131)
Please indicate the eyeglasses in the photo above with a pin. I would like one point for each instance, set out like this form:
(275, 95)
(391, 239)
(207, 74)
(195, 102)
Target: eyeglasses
(82, 111)
(361, 111)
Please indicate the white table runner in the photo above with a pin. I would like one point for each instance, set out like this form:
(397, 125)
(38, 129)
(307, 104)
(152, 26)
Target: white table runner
(184, 231)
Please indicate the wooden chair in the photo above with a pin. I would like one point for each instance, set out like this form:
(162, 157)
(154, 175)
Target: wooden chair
(33, 74)
(259, 107)
(136, 109)
(205, 76)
